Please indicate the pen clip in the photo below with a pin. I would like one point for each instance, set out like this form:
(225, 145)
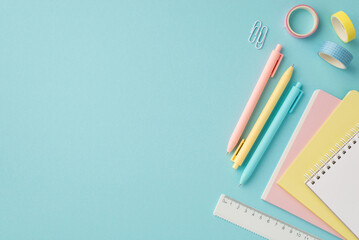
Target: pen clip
(276, 65)
(237, 150)
(296, 101)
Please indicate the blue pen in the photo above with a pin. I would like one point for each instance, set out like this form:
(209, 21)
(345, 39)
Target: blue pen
(287, 107)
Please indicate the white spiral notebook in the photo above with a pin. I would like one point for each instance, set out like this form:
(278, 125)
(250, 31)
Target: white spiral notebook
(336, 180)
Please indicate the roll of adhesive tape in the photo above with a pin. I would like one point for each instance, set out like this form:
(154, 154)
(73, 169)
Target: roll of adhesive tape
(308, 9)
(335, 55)
(343, 26)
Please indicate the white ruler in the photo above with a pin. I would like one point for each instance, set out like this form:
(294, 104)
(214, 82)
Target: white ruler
(258, 222)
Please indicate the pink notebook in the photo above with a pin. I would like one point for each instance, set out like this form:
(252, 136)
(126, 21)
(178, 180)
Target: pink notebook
(320, 107)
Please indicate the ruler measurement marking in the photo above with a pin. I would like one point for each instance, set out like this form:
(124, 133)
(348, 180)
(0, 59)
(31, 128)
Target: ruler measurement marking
(248, 207)
(234, 209)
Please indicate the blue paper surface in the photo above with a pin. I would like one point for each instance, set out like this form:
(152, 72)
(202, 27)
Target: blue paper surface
(115, 115)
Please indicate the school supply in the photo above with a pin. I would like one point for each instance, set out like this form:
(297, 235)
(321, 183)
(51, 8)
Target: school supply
(262, 31)
(308, 9)
(257, 222)
(255, 30)
(269, 71)
(343, 26)
(287, 107)
(262, 37)
(344, 117)
(336, 182)
(319, 108)
(335, 55)
(242, 151)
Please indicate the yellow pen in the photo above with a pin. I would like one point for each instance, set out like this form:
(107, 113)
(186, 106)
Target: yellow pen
(244, 148)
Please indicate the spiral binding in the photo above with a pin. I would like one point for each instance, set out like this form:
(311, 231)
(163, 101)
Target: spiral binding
(335, 154)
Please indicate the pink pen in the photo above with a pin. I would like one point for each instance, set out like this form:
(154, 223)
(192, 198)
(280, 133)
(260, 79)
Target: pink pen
(268, 71)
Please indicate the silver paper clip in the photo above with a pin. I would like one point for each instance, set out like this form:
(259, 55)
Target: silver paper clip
(255, 31)
(260, 41)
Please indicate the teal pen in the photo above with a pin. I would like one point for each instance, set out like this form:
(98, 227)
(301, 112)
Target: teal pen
(287, 107)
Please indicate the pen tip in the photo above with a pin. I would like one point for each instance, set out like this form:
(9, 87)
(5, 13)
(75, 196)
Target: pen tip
(293, 65)
(239, 185)
(227, 153)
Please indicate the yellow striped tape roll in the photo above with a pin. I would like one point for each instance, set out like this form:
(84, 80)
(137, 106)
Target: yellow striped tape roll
(343, 26)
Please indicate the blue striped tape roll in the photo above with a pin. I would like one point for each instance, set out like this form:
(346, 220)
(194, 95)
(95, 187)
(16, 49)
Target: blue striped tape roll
(335, 55)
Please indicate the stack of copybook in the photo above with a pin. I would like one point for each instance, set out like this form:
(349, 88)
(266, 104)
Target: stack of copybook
(317, 177)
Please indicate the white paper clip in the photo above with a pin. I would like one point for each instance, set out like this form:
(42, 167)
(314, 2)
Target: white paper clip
(255, 30)
(258, 33)
(260, 41)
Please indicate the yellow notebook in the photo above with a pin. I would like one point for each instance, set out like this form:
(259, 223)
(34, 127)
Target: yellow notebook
(344, 117)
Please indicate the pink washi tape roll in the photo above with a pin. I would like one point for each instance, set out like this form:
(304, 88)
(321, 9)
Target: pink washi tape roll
(311, 11)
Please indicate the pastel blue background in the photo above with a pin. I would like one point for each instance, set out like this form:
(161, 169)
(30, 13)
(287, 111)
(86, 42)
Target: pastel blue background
(115, 115)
